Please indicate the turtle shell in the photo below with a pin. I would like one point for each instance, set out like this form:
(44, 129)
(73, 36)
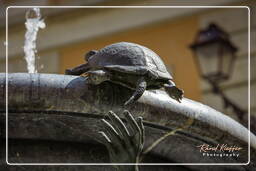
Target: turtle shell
(130, 58)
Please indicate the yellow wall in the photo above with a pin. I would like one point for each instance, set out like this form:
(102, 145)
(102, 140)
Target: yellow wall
(169, 39)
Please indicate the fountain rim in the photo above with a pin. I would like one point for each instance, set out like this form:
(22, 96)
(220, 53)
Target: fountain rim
(188, 107)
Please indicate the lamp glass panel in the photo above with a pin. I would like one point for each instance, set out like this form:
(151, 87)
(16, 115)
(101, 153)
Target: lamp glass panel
(208, 57)
(226, 61)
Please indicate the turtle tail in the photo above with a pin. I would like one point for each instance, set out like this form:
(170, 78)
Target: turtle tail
(78, 70)
(140, 88)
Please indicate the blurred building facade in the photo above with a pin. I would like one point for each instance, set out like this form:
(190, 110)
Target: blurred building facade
(70, 33)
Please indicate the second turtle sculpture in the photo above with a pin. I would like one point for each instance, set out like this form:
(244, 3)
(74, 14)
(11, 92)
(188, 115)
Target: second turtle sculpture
(128, 64)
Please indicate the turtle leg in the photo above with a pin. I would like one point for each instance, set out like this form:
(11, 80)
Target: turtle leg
(140, 88)
(80, 69)
(97, 77)
(173, 91)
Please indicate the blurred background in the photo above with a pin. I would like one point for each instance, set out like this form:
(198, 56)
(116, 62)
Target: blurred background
(71, 32)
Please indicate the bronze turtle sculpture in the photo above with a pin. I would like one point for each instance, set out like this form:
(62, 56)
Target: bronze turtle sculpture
(130, 65)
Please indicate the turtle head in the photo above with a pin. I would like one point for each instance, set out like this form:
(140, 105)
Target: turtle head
(173, 91)
(89, 54)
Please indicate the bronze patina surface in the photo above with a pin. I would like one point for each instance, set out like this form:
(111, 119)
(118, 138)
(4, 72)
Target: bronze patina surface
(56, 119)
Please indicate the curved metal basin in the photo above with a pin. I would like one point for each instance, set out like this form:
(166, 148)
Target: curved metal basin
(56, 119)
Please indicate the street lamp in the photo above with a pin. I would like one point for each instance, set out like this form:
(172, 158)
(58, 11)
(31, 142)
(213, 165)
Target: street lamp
(215, 53)
(215, 56)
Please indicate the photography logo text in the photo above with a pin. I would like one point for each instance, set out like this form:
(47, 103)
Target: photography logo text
(220, 150)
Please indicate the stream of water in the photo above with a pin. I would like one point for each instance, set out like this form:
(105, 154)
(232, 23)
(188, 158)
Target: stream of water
(33, 23)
